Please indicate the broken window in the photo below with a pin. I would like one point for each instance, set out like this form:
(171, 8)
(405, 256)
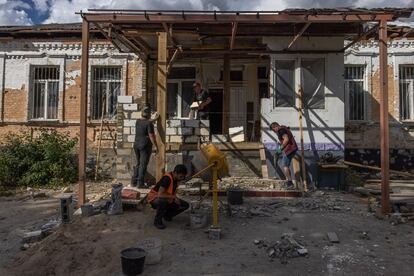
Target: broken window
(285, 83)
(106, 87)
(45, 92)
(313, 83)
(355, 92)
(406, 93)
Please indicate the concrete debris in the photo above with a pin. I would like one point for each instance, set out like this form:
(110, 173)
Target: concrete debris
(364, 236)
(397, 218)
(286, 248)
(33, 236)
(333, 237)
(25, 246)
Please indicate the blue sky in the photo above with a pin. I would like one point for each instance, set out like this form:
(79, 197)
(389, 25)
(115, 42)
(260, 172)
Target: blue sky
(26, 12)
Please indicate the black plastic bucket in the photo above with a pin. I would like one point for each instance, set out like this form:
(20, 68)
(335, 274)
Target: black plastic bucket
(235, 197)
(133, 260)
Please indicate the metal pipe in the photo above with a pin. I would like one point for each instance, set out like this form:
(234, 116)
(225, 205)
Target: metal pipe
(385, 150)
(83, 112)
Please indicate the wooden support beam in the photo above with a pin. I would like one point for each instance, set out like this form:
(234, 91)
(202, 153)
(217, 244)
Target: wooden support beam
(161, 103)
(233, 35)
(143, 44)
(107, 36)
(83, 112)
(296, 37)
(362, 36)
(168, 30)
(385, 147)
(173, 58)
(130, 45)
(226, 94)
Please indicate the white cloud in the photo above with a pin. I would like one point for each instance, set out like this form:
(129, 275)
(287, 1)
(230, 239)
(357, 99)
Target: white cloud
(12, 13)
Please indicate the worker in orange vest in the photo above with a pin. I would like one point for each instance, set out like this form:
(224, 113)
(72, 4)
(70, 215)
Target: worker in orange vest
(162, 197)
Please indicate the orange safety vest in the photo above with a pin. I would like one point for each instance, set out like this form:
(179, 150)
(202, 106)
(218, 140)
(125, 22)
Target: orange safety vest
(153, 194)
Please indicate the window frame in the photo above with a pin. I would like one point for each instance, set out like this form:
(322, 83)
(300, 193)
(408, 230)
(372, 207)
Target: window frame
(365, 89)
(108, 82)
(32, 82)
(179, 102)
(297, 78)
(411, 95)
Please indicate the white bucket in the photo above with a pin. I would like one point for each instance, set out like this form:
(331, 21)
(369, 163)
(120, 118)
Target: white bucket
(152, 247)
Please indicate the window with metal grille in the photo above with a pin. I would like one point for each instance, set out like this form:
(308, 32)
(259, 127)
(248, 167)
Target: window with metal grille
(406, 92)
(355, 92)
(106, 87)
(44, 92)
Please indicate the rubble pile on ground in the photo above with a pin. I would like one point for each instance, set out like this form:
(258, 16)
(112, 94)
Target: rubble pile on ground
(45, 230)
(251, 183)
(286, 248)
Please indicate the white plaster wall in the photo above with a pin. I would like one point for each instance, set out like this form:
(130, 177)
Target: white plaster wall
(323, 129)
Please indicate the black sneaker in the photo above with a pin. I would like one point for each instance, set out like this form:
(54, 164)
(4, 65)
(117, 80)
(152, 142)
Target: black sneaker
(159, 224)
(290, 186)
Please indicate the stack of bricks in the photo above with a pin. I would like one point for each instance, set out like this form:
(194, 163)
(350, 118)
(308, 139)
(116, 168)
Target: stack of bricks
(127, 114)
(187, 131)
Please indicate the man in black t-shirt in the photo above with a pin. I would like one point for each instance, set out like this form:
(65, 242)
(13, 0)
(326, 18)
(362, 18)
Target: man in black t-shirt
(162, 197)
(144, 141)
(203, 98)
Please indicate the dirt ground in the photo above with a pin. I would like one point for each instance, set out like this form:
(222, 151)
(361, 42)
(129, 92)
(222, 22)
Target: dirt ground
(92, 245)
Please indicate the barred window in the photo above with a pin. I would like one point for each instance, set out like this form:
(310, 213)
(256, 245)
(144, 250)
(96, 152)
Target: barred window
(406, 92)
(355, 92)
(44, 92)
(106, 87)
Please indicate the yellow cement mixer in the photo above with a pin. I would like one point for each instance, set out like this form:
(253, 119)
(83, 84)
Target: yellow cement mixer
(217, 163)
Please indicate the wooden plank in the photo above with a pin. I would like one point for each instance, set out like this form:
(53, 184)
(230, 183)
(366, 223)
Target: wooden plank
(376, 168)
(161, 103)
(307, 24)
(233, 35)
(265, 171)
(226, 94)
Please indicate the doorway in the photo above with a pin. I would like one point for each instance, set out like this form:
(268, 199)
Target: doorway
(216, 111)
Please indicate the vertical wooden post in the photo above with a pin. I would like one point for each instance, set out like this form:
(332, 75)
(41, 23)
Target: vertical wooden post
(385, 147)
(302, 147)
(226, 94)
(83, 112)
(161, 102)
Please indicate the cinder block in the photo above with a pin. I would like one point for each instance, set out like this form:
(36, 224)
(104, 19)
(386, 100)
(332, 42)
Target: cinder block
(124, 99)
(131, 138)
(204, 131)
(205, 123)
(136, 115)
(171, 131)
(185, 131)
(133, 129)
(191, 139)
(174, 123)
(197, 131)
(127, 130)
(175, 139)
(191, 123)
(132, 107)
(123, 152)
(129, 123)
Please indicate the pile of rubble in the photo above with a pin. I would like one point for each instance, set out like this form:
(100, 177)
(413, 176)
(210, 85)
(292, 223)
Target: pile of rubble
(285, 249)
(29, 237)
(251, 183)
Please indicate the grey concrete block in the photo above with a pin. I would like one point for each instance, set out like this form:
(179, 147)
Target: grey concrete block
(191, 123)
(124, 99)
(333, 237)
(132, 107)
(173, 123)
(185, 131)
(171, 131)
(129, 123)
(205, 123)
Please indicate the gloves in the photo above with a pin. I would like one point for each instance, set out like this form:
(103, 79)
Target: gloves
(279, 151)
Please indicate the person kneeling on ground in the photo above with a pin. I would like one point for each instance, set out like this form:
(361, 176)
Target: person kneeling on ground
(162, 196)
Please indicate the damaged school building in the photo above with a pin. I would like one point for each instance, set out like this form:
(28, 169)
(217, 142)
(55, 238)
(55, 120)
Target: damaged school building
(252, 63)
